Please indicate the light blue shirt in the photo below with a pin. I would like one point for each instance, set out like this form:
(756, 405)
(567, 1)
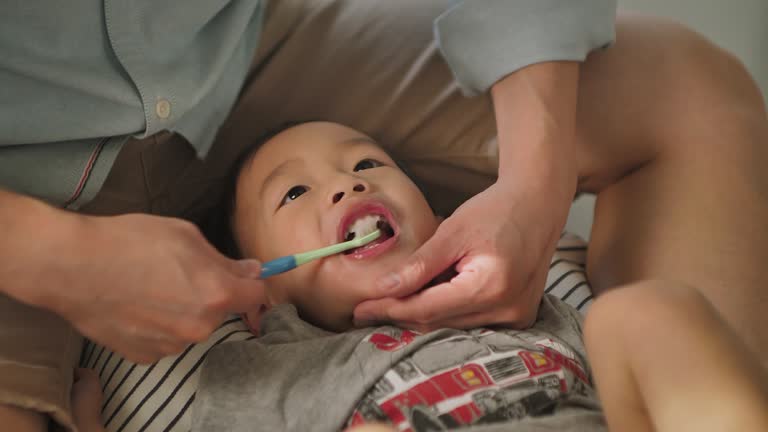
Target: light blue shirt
(79, 77)
(485, 40)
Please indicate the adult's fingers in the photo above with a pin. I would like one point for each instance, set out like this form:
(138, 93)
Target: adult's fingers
(246, 294)
(239, 284)
(439, 252)
(245, 268)
(435, 304)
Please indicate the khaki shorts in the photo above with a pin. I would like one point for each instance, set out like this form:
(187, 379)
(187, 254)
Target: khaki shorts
(372, 65)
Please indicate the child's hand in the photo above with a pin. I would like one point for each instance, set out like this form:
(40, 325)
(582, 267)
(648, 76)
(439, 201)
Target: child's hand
(86, 401)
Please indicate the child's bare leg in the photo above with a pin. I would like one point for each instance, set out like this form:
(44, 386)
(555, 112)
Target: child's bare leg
(664, 360)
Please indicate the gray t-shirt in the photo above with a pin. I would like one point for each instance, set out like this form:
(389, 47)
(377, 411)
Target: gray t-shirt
(297, 377)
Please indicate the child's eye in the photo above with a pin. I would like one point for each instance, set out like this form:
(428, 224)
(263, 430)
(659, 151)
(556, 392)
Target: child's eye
(367, 164)
(293, 193)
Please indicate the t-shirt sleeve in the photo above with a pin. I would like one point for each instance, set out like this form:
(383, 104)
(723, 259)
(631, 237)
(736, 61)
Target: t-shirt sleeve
(485, 40)
(562, 320)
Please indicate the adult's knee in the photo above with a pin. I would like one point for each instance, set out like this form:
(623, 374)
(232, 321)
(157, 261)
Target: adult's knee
(702, 71)
(658, 89)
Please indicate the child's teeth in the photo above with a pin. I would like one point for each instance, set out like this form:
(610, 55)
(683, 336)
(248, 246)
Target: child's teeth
(364, 225)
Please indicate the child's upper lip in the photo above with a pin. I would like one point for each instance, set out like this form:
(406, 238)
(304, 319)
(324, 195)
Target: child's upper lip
(358, 209)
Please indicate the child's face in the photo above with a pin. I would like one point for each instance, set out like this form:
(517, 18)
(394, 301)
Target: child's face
(307, 188)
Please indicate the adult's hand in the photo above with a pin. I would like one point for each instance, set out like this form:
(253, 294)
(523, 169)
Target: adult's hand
(502, 240)
(144, 286)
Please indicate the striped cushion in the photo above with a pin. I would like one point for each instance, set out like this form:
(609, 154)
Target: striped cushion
(154, 397)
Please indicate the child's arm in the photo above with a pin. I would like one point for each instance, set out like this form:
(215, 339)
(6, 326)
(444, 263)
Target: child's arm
(86, 401)
(664, 360)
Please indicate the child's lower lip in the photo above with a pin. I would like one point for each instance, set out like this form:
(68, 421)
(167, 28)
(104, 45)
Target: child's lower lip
(374, 249)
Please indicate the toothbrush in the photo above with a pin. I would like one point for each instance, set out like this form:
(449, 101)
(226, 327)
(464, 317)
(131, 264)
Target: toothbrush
(290, 262)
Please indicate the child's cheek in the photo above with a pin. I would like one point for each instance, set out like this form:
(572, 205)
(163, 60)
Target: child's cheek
(424, 229)
(341, 293)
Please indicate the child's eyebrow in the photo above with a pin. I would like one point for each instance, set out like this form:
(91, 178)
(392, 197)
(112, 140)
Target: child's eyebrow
(360, 140)
(277, 172)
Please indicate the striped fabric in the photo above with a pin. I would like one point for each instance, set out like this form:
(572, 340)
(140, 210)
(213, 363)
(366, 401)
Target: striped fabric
(158, 397)
(154, 397)
(567, 277)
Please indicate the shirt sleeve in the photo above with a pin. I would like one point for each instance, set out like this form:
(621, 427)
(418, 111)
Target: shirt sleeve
(485, 40)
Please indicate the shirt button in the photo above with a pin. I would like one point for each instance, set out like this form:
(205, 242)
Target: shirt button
(163, 108)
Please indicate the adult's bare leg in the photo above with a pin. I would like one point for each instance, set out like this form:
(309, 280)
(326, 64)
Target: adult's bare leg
(22, 420)
(673, 137)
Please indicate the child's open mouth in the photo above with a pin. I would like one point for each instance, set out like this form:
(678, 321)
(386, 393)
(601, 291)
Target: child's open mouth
(364, 220)
(377, 222)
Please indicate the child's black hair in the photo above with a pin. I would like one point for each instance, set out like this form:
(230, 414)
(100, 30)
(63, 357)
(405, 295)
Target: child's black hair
(218, 226)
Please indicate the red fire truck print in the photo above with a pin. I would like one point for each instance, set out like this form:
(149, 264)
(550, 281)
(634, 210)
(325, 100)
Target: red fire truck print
(500, 384)
(386, 342)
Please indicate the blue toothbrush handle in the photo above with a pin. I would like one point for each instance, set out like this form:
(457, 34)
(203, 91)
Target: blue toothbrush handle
(277, 266)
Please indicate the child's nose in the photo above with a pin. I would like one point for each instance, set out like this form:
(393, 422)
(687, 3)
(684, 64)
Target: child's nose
(358, 187)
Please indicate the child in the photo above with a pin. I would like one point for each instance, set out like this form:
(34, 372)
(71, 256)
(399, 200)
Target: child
(318, 183)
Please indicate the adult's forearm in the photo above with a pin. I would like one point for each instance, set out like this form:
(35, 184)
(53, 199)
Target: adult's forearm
(18, 215)
(29, 228)
(535, 111)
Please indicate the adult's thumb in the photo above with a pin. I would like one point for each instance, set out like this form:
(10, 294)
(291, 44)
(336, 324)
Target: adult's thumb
(245, 286)
(431, 259)
(246, 268)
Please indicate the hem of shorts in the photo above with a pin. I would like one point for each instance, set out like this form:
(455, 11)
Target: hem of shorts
(40, 394)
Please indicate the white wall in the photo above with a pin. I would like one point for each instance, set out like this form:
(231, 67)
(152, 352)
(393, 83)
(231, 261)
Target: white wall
(740, 26)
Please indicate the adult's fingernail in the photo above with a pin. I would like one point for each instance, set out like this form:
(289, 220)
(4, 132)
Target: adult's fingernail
(251, 268)
(388, 283)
